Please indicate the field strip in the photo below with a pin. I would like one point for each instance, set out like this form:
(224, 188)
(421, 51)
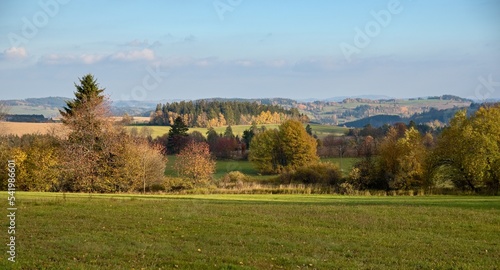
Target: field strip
(438, 200)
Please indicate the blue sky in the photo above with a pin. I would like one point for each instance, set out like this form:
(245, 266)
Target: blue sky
(190, 49)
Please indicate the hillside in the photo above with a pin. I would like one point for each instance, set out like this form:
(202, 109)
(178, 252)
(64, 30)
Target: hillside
(334, 111)
(353, 109)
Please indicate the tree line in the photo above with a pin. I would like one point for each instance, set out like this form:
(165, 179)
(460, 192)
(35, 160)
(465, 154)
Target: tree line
(464, 155)
(214, 113)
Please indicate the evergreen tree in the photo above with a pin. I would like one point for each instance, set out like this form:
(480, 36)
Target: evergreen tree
(177, 136)
(87, 91)
(309, 130)
(228, 133)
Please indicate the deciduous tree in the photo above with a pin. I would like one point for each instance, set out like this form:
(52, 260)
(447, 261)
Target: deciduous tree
(469, 150)
(195, 163)
(288, 148)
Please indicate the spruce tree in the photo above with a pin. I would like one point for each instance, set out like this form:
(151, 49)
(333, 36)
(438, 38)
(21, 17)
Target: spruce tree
(87, 91)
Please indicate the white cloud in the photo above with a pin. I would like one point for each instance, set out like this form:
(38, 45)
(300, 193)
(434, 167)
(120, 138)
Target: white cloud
(91, 58)
(58, 59)
(145, 54)
(136, 43)
(15, 53)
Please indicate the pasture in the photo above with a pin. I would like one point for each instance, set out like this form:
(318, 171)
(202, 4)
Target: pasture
(320, 130)
(156, 131)
(121, 231)
(246, 167)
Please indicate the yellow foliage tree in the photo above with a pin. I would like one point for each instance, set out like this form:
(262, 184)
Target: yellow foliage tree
(288, 148)
(195, 162)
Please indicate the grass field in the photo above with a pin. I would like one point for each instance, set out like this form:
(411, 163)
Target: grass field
(320, 130)
(246, 167)
(43, 128)
(81, 231)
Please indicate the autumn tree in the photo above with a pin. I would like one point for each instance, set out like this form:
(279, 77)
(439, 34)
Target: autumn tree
(468, 151)
(402, 161)
(288, 148)
(195, 163)
(100, 156)
(41, 164)
(140, 165)
(89, 150)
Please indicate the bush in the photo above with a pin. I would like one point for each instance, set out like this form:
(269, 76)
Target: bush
(323, 173)
(233, 179)
(346, 189)
(176, 184)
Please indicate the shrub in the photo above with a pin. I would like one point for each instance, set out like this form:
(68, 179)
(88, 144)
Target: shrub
(324, 173)
(176, 184)
(233, 178)
(346, 189)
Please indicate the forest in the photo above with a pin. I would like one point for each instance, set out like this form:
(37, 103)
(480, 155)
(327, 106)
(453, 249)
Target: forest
(213, 113)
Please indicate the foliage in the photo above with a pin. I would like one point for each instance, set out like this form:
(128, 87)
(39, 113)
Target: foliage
(233, 179)
(195, 163)
(176, 184)
(288, 148)
(91, 149)
(99, 155)
(470, 149)
(248, 135)
(214, 113)
(87, 91)
(39, 164)
(177, 136)
(402, 161)
(365, 175)
(324, 173)
(139, 166)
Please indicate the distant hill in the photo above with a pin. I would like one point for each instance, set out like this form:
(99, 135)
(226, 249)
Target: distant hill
(343, 110)
(51, 102)
(443, 116)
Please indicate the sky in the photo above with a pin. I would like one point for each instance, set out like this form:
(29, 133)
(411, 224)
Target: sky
(192, 49)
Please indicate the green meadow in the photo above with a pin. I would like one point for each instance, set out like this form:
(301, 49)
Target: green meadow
(122, 231)
(246, 167)
(320, 130)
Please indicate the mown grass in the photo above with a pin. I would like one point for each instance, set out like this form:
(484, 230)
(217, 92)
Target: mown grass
(81, 231)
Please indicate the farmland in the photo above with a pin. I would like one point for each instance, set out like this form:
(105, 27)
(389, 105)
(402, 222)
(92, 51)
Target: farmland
(28, 128)
(100, 231)
(156, 131)
(320, 130)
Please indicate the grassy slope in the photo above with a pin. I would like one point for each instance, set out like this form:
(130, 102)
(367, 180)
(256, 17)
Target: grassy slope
(255, 232)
